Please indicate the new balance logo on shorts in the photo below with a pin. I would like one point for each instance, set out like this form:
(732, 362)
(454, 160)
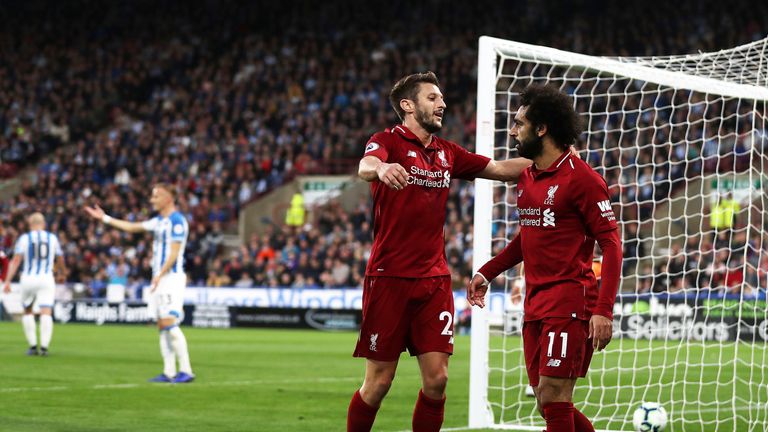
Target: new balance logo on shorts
(553, 363)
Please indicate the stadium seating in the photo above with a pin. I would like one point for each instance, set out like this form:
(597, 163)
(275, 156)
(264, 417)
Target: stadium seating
(100, 114)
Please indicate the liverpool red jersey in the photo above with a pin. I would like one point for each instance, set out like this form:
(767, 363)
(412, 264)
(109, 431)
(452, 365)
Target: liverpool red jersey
(563, 209)
(408, 224)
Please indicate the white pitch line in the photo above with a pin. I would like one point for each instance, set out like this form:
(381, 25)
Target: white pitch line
(160, 385)
(23, 389)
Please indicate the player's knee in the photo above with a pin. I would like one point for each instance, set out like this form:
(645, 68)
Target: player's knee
(166, 323)
(552, 391)
(382, 388)
(435, 383)
(374, 390)
(383, 382)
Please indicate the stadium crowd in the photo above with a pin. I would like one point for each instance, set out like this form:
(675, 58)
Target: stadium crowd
(205, 99)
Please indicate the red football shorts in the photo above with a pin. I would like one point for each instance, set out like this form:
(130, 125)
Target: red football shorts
(556, 347)
(400, 313)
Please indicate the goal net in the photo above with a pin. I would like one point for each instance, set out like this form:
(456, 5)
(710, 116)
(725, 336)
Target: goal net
(681, 142)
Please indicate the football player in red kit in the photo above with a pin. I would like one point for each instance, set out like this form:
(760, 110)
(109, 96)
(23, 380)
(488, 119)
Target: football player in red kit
(564, 208)
(407, 297)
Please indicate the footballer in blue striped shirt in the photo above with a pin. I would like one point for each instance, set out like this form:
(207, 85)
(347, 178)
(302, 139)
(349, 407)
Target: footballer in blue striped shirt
(170, 230)
(38, 253)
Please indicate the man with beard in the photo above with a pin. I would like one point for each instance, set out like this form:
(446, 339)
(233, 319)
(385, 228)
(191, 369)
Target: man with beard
(407, 297)
(564, 208)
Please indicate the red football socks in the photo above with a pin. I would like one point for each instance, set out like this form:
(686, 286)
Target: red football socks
(360, 416)
(559, 417)
(581, 422)
(428, 414)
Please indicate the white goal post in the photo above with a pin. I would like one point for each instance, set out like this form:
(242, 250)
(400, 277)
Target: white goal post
(681, 141)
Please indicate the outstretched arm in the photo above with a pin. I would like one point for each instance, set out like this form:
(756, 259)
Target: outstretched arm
(97, 213)
(510, 169)
(506, 170)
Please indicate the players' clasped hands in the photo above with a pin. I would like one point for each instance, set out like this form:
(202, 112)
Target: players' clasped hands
(393, 175)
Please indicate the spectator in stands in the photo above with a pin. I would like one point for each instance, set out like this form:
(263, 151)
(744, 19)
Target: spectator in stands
(296, 212)
(196, 270)
(633, 248)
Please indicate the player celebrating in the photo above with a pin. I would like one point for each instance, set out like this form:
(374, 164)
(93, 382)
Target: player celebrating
(170, 229)
(41, 254)
(407, 297)
(564, 207)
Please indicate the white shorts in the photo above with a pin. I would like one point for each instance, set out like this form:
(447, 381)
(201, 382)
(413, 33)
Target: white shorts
(38, 289)
(168, 299)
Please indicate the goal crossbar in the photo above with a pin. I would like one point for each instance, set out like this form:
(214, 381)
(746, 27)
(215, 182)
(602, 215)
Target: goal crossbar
(638, 71)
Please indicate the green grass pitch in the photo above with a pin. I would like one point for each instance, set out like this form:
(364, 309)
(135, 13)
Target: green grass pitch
(705, 375)
(248, 380)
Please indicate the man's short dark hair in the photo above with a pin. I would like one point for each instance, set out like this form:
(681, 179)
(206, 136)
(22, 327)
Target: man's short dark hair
(549, 106)
(408, 88)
